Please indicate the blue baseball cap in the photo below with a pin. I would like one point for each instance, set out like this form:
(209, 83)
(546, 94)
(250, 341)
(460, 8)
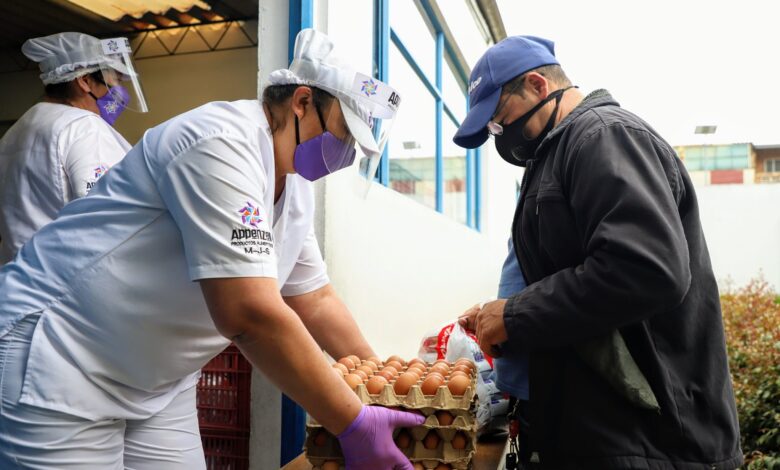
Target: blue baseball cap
(501, 63)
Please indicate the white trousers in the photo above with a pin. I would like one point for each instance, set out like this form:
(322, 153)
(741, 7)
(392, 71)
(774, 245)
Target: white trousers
(37, 438)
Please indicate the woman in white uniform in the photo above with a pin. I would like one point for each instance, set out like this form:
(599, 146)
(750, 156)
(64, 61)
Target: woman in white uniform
(101, 342)
(57, 150)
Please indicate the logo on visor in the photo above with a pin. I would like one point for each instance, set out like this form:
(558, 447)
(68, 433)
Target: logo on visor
(250, 215)
(369, 87)
(112, 45)
(100, 171)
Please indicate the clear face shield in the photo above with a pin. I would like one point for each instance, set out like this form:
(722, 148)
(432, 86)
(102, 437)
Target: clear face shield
(370, 114)
(120, 75)
(356, 128)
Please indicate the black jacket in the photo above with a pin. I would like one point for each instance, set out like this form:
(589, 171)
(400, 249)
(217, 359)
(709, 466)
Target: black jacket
(608, 235)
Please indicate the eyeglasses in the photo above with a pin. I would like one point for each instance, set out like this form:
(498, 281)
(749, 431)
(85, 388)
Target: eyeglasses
(494, 128)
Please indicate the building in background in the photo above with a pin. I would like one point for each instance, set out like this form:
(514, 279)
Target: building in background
(739, 163)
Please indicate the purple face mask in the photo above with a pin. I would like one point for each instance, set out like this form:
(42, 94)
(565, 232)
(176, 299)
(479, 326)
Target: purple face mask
(321, 155)
(113, 103)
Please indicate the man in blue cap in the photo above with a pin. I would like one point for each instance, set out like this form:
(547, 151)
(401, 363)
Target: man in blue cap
(608, 237)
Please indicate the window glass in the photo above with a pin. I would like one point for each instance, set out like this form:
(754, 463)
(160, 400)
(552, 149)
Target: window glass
(354, 43)
(412, 145)
(454, 97)
(408, 24)
(463, 27)
(454, 174)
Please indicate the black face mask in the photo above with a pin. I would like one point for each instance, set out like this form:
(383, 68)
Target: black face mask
(512, 144)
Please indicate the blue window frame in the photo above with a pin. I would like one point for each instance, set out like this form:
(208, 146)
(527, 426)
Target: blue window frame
(384, 34)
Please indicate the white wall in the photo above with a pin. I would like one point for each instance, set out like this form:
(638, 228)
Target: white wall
(742, 227)
(401, 267)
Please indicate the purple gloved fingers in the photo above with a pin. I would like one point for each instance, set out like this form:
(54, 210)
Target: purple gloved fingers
(405, 419)
(367, 443)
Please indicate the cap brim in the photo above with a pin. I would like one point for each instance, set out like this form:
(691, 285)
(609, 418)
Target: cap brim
(473, 130)
(360, 130)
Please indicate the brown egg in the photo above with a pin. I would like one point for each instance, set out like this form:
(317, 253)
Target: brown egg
(418, 466)
(435, 374)
(363, 376)
(397, 365)
(375, 384)
(403, 440)
(443, 466)
(341, 367)
(397, 359)
(458, 373)
(321, 438)
(443, 369)
(376, 361)
(418, 367)
(331, 465)
(415, 360)
(461, 368)
(392, 370)
(369, 371)
(467, 363)
(353, 380)
(459, 441)
(374, 367)
(347, 362)
(445, 418)
(458, 385)
(386, 374)
(431, 384)
(355, 360)
(441, 361)
(431, 440)
(338, 372)
(404, 382)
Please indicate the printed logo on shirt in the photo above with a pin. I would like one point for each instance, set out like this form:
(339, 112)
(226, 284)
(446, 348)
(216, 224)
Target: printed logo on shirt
(100, 170)
(253, 240)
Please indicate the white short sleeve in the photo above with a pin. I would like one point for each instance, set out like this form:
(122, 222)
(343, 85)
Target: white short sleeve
(216, 193)
(89, 149)
(310, 272)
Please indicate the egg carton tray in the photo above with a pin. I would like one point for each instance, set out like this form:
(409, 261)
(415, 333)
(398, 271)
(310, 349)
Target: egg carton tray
(329, 448)
(464, 420)
(415, 399)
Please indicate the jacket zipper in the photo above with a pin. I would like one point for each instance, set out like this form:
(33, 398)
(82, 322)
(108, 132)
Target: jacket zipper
(517, 240)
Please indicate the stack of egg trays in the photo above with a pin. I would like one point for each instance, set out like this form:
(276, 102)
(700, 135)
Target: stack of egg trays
(463, 408)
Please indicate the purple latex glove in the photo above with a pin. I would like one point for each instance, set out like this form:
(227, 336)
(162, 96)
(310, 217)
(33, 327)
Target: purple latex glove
(367, 444)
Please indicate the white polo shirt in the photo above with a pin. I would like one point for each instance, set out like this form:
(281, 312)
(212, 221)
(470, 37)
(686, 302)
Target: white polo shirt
(53, 154)
(123, 328)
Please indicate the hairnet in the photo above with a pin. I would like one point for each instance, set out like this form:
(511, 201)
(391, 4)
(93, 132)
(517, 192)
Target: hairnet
(64, 56)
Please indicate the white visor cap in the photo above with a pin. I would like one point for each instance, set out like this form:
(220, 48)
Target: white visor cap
(65, 56)
(314, 64)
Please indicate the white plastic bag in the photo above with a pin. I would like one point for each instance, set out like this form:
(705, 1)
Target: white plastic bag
(451, 342)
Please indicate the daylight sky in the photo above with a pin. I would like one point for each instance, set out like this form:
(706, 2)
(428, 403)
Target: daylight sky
(677, 64)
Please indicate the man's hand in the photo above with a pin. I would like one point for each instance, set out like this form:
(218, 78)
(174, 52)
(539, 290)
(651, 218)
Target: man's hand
(490, 326)
(468, 321)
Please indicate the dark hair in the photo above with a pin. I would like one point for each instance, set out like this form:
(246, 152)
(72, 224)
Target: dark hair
(274, 96)
(553, 73)
(64, 91)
